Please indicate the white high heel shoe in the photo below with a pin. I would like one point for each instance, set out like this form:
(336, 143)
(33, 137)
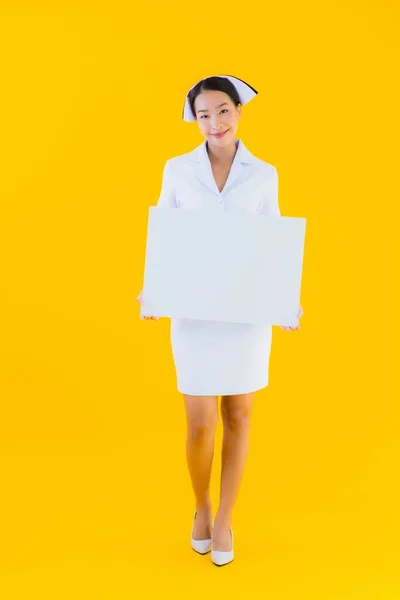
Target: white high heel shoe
(222, 557)
(200, 546)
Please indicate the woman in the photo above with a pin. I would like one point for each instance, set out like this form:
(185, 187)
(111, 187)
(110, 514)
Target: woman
(218, 358)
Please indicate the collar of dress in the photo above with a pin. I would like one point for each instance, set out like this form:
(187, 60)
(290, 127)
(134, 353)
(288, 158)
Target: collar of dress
(200, 157)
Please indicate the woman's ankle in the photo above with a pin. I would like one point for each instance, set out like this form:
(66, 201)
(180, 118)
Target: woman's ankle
(223, 519)
(204, 507)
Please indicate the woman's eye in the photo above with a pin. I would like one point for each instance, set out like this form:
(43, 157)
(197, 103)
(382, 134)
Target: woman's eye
(221, 111)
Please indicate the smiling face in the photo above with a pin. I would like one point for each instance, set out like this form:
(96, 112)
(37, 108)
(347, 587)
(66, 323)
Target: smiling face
(216, 113)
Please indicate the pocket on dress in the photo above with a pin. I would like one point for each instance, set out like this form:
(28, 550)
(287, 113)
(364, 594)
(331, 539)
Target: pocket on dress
(191, 197)
(245, 200)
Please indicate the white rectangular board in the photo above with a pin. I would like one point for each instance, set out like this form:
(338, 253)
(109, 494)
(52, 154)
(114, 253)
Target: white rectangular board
(235, 267)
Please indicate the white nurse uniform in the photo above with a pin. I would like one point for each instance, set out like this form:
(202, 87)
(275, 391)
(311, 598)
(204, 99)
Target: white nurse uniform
(215, 358)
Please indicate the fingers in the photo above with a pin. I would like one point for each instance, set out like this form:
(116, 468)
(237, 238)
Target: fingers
(145, 317)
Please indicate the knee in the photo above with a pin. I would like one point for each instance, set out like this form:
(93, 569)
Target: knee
(237, 419)
(201, 430)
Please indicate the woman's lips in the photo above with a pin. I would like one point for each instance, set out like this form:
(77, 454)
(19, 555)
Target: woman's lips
(219, 135)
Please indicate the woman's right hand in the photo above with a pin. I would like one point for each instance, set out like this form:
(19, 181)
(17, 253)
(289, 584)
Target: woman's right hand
(148, 318)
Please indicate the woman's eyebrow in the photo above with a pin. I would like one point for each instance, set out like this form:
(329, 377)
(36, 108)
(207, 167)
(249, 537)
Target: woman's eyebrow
(206, 109)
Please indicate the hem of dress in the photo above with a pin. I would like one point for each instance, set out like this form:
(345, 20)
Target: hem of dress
(202, 393)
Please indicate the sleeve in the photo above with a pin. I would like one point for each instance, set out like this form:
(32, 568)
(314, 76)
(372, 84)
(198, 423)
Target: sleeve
(269, 204)
(167, 195)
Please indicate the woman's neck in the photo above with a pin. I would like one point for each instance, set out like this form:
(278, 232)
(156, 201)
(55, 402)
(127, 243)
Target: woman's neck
(222, 156)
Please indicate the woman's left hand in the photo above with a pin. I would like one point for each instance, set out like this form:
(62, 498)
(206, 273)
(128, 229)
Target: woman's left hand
(293, 327)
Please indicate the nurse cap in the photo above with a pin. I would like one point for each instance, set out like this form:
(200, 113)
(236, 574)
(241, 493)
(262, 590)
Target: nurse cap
(245, 90)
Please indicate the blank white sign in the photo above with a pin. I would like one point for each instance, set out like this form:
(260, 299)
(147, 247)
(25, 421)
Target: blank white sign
(205, 265)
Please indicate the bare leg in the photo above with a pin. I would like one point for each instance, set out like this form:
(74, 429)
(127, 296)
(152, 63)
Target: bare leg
(202, 419)
(236, 414)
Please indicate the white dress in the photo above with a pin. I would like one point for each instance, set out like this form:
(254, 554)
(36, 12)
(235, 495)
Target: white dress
(214, 358)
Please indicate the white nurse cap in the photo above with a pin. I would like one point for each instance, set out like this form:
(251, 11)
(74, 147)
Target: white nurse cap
(245, 90)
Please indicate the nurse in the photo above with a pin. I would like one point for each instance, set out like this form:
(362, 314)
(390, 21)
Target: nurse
(215, 359)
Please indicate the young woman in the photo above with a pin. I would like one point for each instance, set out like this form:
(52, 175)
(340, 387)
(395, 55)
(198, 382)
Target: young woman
(218, 358)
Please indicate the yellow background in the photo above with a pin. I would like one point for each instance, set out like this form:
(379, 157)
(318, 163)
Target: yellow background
(96, 499)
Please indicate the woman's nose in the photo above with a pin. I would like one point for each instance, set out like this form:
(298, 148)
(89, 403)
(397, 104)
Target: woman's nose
(215, 122)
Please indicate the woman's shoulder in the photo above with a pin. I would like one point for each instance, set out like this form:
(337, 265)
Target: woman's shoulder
(185, 157)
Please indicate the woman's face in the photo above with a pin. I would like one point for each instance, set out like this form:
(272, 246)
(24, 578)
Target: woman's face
(216, 113)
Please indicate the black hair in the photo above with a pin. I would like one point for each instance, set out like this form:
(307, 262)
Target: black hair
(220, 84)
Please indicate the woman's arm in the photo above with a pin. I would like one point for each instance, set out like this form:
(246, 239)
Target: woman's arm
(269, 204)
(167, 195)
(166, 199)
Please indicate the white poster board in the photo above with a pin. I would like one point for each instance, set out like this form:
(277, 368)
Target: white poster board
(206, 265)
